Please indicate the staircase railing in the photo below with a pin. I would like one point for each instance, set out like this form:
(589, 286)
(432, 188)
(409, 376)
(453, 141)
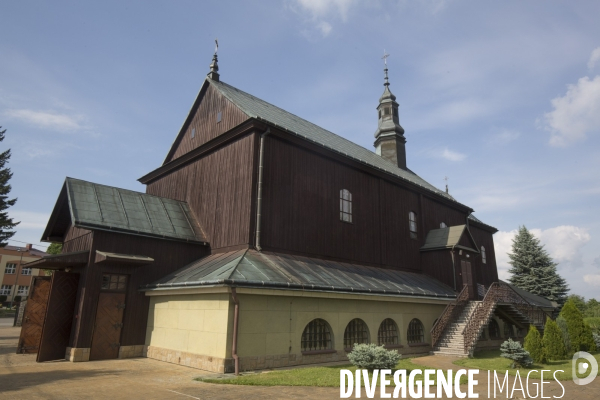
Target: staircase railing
(450, 313)
(499, 292)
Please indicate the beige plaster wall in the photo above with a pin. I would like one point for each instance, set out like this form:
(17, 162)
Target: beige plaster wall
(191, 323)
(273, 325)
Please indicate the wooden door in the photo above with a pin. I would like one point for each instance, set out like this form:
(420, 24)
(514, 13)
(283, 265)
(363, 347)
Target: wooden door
(468, 278)
(33, 317)
(59, 316)
(107, 328)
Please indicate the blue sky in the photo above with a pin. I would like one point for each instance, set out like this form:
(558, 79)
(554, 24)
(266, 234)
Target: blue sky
(501, 97)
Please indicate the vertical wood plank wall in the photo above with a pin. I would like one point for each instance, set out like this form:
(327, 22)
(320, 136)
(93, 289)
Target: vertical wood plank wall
(488, 272)
(168, 257)
(77, 239)
(205, 124)
(218, 189)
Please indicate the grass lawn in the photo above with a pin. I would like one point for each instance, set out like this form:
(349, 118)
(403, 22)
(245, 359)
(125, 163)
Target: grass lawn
(491, 360)
(308, 376)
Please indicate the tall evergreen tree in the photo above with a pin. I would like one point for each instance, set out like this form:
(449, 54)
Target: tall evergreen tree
(534, 270)
(6, 223)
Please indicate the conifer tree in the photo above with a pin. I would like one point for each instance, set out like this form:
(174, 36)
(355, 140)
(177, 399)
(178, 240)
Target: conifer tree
(564, 332)
(6, 223)
(580, 334)
(534, 270)
(553, 341)
(533, 344)
(515, 352)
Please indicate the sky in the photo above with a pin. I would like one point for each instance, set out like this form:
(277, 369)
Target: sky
(503, 98)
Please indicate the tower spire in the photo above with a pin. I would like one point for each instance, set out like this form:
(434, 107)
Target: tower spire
(389, 137)
(214, 65)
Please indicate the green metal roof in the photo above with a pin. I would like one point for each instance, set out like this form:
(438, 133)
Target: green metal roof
(260, 109)
(249, 268)
(95, 206)
(444, 238)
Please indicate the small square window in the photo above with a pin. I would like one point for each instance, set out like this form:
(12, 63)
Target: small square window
(219, 116)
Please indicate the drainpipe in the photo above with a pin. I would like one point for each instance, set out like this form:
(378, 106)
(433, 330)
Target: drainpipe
(236, 315)
(453, 267)
(260, 181)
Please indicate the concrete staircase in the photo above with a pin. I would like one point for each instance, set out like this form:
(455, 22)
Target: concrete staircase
(452, 342)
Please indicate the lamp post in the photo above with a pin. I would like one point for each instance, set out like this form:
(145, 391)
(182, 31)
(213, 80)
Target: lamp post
(12, 299)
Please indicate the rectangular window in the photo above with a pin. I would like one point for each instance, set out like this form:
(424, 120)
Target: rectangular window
(5, 289)
(114, 282)
(10, 268)
(26, 271)
(23, 291)
(193, 132)
(219, 114)
(412, 224)
(345, 206)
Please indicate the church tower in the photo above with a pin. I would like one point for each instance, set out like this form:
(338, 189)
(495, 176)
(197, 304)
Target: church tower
(389, 137)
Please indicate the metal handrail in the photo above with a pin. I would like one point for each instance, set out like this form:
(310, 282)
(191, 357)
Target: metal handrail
(449, 314)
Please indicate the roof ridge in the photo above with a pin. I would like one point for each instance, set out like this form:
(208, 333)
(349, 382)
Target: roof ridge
(234, 269)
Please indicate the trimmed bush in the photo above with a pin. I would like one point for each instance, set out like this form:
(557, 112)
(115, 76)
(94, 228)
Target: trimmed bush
(17, 299)
(3, 298)
(533, 344)
(564, 332)
(579, 334)
(597, 340)
(370, 357)
(515, 352)
(553, 342)
(594, 323)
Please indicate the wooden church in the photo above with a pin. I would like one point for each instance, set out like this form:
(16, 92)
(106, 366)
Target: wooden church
(264, 240)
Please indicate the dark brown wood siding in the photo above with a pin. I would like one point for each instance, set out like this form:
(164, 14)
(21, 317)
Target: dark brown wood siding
(219, 190)
(438, 264)
(486, 273)
(168, 257)
(204, 122)
(77, 239)
(301, 210)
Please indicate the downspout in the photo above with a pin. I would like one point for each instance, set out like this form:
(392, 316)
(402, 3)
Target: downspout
(453, 267)
(259, 192)
(236, 315)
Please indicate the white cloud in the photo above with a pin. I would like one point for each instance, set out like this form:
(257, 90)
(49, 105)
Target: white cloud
(451, 155)
(325, 28)
(593, 280)
(594, 58)
(323, 8)
(30, 219)
(47, 120)
(564, 244)
(575, 114)
(505, 136)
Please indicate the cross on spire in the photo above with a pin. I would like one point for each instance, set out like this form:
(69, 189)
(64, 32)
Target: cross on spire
(385, 70)
(384, 58)
(446, 179)
(214, 66)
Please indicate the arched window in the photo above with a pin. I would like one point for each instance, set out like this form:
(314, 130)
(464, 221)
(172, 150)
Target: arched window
(388, 333)
(483, 255)
(415, 332)
(508, 331)
(356, 332)
(443, 225)
(345, 205)
(493, 329)
(412, 224)
(316, 336)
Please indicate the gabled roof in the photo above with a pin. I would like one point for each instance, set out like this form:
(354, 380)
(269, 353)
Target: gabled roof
(261, 110)
(249, 268)
(93, 206)
(533, 298)
(482, 224)
(449, 237)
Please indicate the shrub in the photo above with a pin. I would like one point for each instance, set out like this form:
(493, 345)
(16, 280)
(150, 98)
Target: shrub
(594, 323)
(597, 340)
(515, 352)
(17, 299)
(553, 342)
(533, 344)
(564, 332)
(370, 357)
(2, 298)
(579, 334)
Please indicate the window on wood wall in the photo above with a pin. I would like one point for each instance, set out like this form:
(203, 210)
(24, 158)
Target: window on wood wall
(345, 206)
(412, 224)
(443, 225)
(483, 255)
(219, 115)
(193, 132)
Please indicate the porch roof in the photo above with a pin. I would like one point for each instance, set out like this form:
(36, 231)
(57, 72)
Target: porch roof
(75, 259)
(250, 268)
(449, 237)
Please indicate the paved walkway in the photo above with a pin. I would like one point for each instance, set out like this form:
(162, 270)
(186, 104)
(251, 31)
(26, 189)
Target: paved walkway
(22, 378)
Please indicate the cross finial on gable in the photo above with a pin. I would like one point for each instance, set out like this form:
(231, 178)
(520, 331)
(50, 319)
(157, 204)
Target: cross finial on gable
(446, 179)
(214, 66)
(385, 70)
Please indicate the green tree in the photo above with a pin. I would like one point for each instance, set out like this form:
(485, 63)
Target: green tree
(592, 308)
(553, 342)
(580, 334)
(579, 302)
(564, 332)
(54, 248)
(515, 352)
(533, 344)
(7, 224)
(534, 270)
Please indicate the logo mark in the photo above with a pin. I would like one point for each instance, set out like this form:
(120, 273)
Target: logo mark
(583, 367)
